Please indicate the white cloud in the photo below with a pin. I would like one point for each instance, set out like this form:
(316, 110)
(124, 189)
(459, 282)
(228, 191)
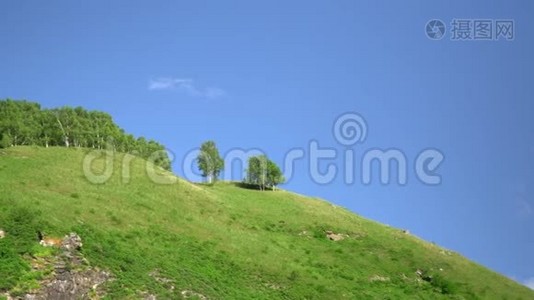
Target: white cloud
(529, 282)
(166, 83)
(185, 85)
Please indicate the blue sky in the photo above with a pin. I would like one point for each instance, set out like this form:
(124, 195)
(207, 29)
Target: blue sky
(274, 75)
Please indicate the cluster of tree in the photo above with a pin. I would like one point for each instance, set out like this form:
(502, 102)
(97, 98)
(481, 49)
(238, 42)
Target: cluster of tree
(26, 123)
(261, 171)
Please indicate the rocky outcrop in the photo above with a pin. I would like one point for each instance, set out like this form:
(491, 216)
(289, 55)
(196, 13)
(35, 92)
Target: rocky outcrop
(334, 236)
(186, 294)
(73, 285)
(72, 278)
(71, 243)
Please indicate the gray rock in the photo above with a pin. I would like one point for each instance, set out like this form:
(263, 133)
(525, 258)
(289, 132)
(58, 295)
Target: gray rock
(71, 242)
(72, 278)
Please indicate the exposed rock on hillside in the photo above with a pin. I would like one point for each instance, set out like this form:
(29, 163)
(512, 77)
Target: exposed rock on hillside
(72, 277)
(334, 236)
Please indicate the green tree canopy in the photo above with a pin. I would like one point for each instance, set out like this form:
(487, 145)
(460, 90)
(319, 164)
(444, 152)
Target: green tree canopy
(5, 141)
(26, 123)
(209, 161)
(263, 172)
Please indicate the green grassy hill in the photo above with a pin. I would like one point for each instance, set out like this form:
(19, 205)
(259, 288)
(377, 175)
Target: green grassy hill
(223, 241)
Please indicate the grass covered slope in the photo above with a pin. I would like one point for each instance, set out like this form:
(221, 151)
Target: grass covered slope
(221, 241)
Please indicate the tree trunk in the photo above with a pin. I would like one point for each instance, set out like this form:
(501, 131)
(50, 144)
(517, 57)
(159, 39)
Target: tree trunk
(65, 137)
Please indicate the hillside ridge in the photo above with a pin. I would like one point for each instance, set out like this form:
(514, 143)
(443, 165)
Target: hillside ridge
(216, 241)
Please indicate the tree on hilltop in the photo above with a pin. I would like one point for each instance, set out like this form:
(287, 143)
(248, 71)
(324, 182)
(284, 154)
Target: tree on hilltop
(209, 161)
(24, 123)
(263, 172)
